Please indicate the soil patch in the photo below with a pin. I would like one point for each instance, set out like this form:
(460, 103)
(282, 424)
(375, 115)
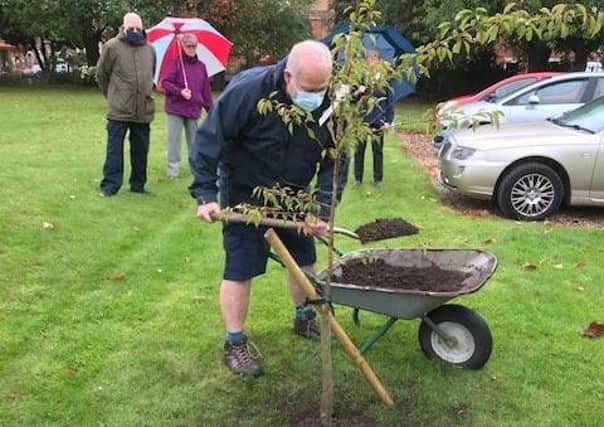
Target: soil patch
(383, 228)
(420, 146)
(378, 273)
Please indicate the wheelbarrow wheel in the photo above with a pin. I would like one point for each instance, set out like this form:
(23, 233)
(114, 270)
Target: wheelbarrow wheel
(471, 341)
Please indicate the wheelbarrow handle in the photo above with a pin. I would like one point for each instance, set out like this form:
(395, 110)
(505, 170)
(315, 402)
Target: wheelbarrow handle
(279, 223)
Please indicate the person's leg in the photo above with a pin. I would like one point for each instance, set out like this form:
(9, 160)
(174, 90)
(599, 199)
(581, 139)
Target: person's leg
(377, 147)
(175, 126)
(246, 255)
(234, 303)
(302, 249)
(113, 168)
(190, 132)
(359, 162)
(139, 149)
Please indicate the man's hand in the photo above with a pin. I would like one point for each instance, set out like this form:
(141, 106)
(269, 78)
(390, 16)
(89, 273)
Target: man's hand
(387, 126)
(208, 212)
(186, 93)
(316, 227)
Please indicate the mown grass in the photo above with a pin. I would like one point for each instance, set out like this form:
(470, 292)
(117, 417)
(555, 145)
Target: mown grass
(111, 317)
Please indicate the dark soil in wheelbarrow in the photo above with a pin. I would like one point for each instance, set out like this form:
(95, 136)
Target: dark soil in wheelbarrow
(378, 273)
(382, 229)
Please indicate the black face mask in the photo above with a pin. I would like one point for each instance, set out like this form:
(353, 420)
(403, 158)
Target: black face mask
(135, 37)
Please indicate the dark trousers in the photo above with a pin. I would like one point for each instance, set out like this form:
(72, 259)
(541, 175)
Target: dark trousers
(377, 148)
(113, 170)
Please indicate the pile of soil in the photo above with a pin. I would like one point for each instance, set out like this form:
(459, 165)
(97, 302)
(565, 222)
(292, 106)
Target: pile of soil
(382, 229)
(377, 273)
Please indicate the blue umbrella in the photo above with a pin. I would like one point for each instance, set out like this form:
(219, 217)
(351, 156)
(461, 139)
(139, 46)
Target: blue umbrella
(389, 42)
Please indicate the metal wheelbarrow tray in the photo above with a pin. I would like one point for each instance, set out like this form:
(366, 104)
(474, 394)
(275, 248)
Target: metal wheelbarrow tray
(451, 333)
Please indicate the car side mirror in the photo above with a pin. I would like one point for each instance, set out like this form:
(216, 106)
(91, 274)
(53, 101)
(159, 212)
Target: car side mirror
(534, 100)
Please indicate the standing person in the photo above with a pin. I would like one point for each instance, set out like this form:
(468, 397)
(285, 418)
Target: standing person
(188, 90)
(257, 150)
(125, 75)
(380, 120)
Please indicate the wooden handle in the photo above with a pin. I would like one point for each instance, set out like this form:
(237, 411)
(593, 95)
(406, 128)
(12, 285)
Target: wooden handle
(280, 223)
(269, 222)
(353, 352)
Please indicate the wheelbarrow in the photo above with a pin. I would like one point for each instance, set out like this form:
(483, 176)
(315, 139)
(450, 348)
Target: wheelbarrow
(450, 333)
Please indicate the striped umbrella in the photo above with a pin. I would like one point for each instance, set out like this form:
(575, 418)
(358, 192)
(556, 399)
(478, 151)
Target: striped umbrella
(212, 48)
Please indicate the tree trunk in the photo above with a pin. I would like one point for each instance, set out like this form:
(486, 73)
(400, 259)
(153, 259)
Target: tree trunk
(91, 44)
(39, 58)
(580, 59)
(538, 56)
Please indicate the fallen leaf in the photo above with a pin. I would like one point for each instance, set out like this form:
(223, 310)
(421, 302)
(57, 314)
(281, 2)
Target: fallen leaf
(159, 270)
(136, 229)
(489, 241)
(70, 372)
(187, 259)
(579, 288)
(558, 266)
(48, 225)
(594, 330)
(116, 277)
(72, 197)
(527, 266)
(580, 264)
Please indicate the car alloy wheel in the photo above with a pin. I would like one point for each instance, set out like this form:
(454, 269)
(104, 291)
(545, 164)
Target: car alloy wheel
(530, 192)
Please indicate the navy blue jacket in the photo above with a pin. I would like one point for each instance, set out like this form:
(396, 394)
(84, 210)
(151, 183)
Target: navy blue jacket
(383, 112)
(256, 150)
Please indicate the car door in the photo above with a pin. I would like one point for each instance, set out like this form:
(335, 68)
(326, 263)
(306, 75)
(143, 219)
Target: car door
(550, 100)
(596, 193)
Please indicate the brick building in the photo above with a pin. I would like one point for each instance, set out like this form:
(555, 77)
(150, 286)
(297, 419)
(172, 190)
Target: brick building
(321, 17)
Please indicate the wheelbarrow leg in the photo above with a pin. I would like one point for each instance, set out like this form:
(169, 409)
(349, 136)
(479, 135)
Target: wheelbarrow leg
(379, 334)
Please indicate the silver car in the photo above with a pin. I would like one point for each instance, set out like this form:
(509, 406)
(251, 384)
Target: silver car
(530, 169)
(541, 100)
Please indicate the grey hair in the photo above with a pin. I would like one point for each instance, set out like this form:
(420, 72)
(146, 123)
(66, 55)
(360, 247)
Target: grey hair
(313, 51)
(187, 38)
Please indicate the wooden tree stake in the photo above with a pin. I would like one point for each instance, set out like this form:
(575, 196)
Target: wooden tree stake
(354, 354)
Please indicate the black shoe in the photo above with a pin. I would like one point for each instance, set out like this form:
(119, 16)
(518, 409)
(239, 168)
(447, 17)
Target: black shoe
(139, 191)
(307, 328)
(107, 193)
(239, 359)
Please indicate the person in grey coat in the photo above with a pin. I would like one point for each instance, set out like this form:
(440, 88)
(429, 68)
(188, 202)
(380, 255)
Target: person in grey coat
(125, 75)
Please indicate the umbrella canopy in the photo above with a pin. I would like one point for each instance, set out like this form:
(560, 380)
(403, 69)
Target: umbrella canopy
(389, 42)
(213, 48)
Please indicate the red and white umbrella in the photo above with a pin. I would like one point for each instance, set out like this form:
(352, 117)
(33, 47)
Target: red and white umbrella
(212, 48)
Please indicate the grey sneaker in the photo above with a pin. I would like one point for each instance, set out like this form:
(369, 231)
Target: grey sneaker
(239, 359)
(307, 328)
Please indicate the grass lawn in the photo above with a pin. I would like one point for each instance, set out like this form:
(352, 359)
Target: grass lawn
(111, 317)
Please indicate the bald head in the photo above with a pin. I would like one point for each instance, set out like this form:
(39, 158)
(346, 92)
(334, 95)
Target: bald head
(309, 63)
(133, 20)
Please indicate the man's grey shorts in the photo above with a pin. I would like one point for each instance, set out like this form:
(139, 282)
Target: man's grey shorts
(247, 250)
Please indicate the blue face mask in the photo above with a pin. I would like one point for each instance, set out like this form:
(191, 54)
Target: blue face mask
(308, 101)
(135, 37)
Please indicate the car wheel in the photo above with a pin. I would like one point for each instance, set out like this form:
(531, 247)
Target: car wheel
(530, 192)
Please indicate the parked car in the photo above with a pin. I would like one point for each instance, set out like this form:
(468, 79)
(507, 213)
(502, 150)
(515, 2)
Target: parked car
(530, 169)
(500, 89)
(546, 98)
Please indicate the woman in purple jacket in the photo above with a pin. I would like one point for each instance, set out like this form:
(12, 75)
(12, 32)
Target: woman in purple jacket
(187, 90)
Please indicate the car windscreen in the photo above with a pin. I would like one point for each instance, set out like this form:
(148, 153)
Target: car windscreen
(589, 117)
